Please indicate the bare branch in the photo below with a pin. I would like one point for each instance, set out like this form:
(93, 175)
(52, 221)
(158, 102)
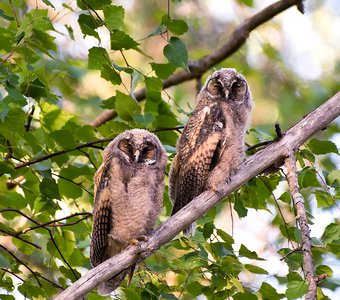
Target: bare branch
(52, 223)
(252, 166)
(198, 67)
(306, 245)
(16, 235)
(48, 156)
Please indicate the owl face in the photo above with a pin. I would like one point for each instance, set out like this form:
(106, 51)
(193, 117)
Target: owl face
(139, 152)
(137, 147)
(227, 85)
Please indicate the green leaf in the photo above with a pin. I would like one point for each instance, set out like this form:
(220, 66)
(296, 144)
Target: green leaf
(194, 288)
(30, 290)
(163, 71)
(110, 74)
(246, 2)
(323, 269)
(126, 107)
(334, 176)
(6, 17)
(14, 200)
(145, 120)
(225, 236)
(13, 123)
(49, 188)
(64, 138)
(97, 58)
(153, 94)
(93, 4)
(176, 53)
(323, 198)
(285, 197)
(208, 229)
(307, 178)
(35, 89)
(86, 133)
(114, 16)
(48, 3)
(239, 208)
(322, 147)
(23, 246)
(255, 269)
(244, 296)
(268, 292)
(120, 40)
(69, 189)
(296, 289)
(332, 233)
(244, 251)
(88, 25)
(178, 27)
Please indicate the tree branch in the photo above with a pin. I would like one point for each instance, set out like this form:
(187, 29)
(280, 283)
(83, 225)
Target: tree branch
(306, 245)
(198, 67)
(48, 156)
(253, 165)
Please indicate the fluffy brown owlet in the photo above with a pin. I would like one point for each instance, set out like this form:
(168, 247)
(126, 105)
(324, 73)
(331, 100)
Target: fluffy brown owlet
(211, 146)
(128, 197)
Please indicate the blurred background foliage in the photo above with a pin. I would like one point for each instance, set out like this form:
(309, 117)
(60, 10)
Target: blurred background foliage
(63, 62)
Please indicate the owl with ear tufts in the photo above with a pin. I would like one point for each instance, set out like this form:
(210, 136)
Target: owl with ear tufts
(212, 145)
(128, 197)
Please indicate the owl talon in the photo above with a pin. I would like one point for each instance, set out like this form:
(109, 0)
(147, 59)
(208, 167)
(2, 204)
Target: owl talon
(134, 242)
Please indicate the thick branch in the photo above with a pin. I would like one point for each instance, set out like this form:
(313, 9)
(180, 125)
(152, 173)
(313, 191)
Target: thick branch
(291, 140)
(198, 67)
(306, 245)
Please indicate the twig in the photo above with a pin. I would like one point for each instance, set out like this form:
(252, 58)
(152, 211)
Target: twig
(198, 67)
(21, 262)
(16, 235)
(34, 161)
(200, 205)
(12, 273)
(52, 223)
(306, 245)
(290, 253)
(49, 231)
(85, 145)
(29, 120)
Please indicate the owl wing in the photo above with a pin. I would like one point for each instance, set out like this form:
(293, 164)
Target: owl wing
(102, 216)
(199, 150)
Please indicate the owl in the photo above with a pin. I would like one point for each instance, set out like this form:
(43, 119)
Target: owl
(128, 197)
(212, 145)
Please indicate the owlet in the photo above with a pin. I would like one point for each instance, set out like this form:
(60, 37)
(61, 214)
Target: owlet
(212, 145)
(128, 197)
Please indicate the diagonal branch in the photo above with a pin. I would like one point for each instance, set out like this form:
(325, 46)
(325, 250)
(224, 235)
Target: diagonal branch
(306, 245)
(198, 67)
(252, 166)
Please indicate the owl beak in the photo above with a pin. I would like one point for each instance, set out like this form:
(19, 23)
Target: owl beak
(137, 153)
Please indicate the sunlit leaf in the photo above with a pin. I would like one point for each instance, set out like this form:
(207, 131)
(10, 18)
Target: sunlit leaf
(322, 147)
(114, 16)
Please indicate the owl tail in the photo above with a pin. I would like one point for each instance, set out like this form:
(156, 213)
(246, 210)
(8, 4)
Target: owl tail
(190, 231)
(107, 287)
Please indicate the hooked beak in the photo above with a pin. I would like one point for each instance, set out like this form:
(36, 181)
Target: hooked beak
(137, 153)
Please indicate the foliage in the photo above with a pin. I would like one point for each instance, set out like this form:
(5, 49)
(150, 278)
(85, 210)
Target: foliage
(49, 151)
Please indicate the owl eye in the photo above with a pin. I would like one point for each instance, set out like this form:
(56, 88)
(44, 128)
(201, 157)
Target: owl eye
(126, 147)
(238, 90)
(215, 87)
(148, 152)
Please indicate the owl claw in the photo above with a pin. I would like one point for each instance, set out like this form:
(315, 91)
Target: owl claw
(138, 239)
(215, 189)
